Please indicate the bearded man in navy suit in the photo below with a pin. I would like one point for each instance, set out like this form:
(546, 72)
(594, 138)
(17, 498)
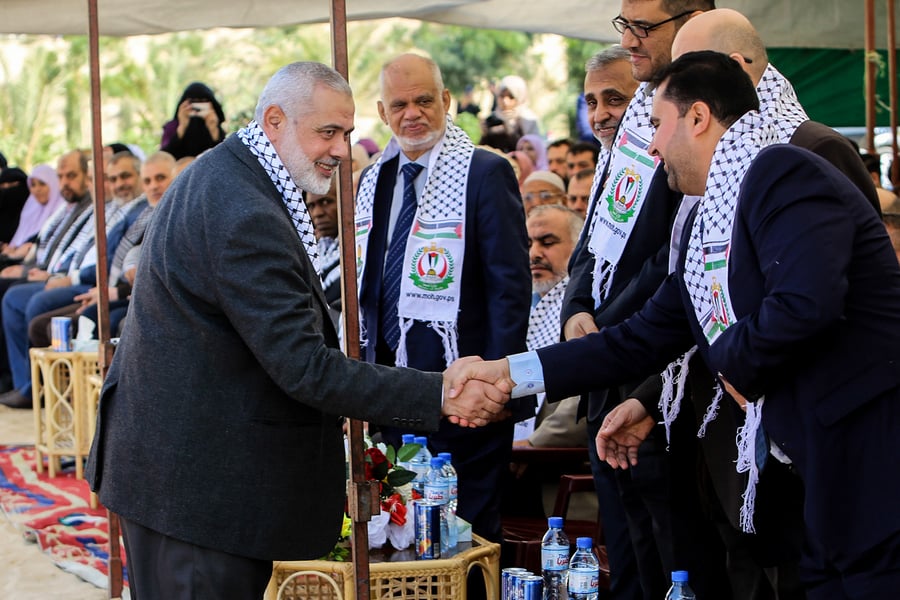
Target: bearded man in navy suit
(443, 253)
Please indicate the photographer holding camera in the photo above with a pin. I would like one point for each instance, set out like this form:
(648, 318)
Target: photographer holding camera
(197, 125)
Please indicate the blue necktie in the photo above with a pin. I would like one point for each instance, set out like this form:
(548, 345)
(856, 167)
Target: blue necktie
(393, 266)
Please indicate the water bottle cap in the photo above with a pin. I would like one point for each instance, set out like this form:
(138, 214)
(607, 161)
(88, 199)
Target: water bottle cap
(679, 576)
(437, 462)
(408, 438)
(445, 456)
(421, 440)
(584, 542)
(555, 522)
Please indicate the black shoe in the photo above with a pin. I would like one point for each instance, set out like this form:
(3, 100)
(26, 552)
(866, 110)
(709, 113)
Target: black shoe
(6, 383)
(15, 399)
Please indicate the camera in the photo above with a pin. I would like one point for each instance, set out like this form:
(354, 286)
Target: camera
(200, 109)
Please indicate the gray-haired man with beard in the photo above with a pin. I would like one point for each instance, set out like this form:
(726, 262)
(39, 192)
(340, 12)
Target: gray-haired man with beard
(219, 431)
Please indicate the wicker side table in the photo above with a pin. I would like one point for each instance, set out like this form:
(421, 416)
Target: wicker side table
(62, 427)
(441, 579)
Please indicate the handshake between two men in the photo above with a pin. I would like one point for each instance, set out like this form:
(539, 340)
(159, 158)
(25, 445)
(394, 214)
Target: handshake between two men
(476, 392)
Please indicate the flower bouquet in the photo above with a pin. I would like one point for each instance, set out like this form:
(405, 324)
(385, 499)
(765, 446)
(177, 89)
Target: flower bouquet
(394, 523)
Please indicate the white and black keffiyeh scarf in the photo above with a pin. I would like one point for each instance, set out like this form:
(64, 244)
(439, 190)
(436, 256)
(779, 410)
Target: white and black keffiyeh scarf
(259, 145)
(778, 102)
(607, 242)
(330, 260)
(438, 231)
(543, 322)
(637, 113)
(706, 279)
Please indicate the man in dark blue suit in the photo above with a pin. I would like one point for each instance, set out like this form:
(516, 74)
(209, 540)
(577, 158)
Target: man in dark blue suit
(789, 288)
(442, 246)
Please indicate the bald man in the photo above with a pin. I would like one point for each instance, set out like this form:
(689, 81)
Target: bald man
(766, 563)
(729, 32)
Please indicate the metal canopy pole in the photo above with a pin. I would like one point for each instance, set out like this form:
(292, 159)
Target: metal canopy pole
(892, 79)
(362, 495)
(105, 349)
(871, 64)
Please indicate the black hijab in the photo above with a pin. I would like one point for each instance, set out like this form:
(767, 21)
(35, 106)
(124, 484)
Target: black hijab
(196, 137)
(12, 199)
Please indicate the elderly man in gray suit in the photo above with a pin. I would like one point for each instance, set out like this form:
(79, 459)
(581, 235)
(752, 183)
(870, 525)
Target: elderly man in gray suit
(219, 438)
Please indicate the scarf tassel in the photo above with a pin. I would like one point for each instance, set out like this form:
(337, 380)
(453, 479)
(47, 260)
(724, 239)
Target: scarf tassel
(673, 382)
(746, 462)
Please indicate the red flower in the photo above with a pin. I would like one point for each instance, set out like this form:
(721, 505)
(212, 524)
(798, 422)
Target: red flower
(395, 506)
(377, 464)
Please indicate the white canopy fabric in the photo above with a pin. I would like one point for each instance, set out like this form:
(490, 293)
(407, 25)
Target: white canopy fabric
(782, 23)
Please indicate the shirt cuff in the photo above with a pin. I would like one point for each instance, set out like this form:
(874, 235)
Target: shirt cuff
(527, 373)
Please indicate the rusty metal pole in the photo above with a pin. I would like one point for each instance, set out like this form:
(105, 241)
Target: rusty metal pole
(362, 495)
(871, 65)
(114, 589)
(892, 81)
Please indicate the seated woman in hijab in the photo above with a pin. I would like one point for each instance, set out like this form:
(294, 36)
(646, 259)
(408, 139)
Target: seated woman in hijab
(197, 125)
(43, 201)
(512, 107)
(533, 145)
(13, 193)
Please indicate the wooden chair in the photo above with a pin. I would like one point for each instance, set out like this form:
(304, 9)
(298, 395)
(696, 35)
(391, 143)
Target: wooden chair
(522, 535)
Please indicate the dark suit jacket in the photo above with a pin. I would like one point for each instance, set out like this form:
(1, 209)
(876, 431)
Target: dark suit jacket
(219, 420)
(816, 287)
(495, 296)
(720, 451)
(492, 322)
(835, 148)
(641, 270)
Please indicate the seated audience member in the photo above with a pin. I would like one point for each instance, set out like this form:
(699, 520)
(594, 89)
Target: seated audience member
(513, 110)
(495, 135)
(359, 158)
(43, 202)
(56, 235)
(533, 146)
(181, 164)
(156, 176)
(552, 233)
(75, 274)
(542, 187)
(873, 165)
(891, 219)
(556, 157)
(323, 211)
(50, 251)
(579, 193)
(371, 147)
(197, 125)
(581, 156)
(524, 166)
(13, 193)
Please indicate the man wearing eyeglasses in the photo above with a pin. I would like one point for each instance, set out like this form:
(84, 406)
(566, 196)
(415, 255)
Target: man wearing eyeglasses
(621, 260)
(542, 187)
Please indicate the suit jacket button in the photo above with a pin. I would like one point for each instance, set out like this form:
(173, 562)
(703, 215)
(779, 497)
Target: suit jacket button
(396, 420)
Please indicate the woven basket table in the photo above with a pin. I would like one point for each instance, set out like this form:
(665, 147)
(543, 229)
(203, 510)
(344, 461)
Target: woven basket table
(63, 427)
(440, 579)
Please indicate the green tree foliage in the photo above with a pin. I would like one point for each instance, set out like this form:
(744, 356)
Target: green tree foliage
(468, 56)
(45, 104)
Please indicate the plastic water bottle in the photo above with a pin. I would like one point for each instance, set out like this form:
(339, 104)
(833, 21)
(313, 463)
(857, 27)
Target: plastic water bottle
(554, 559)
(437, 490)
(419, 464)
(680, 589)
(406, 438)
(584, 571)
(453, 484)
